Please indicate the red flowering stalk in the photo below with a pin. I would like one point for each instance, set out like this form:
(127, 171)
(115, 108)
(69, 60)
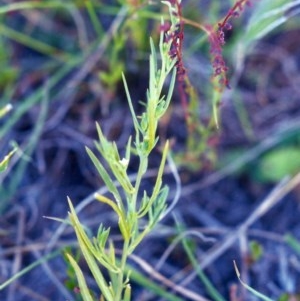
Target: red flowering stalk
(218, 62)
(217, 40)
(176, 36)
(233, 12)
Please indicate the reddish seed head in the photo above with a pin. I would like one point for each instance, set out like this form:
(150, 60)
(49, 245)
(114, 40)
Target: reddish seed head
(230, 12)
(221, 36)
(176, 38)
(165, 27)
(227, 26)
(218, 71)
(234, 12)
(217, 40)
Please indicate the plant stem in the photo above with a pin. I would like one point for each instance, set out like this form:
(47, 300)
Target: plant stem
(120, 281)
(142, 168)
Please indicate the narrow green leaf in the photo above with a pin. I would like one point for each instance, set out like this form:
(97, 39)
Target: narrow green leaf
(104, 175)
(154, 56)
(128, 150)
(127, 293)
(111, 253)
(102, 236)
(158, 182)
(162, 45)
(134, 118)
(144, 205)
(86, 249)
(171, 88)
(84, 291)
(122, 219)
(104, 146)
(159, 206)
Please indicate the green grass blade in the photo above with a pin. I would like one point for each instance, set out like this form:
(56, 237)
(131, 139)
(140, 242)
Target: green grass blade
(32, 43)
(151, 285)
(28, 269)
(249, 288)
(25, 5)
(267, 15)
(211, 290)
(94, 18)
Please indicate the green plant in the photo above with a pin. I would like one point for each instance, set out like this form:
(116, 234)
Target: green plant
(138, 211)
